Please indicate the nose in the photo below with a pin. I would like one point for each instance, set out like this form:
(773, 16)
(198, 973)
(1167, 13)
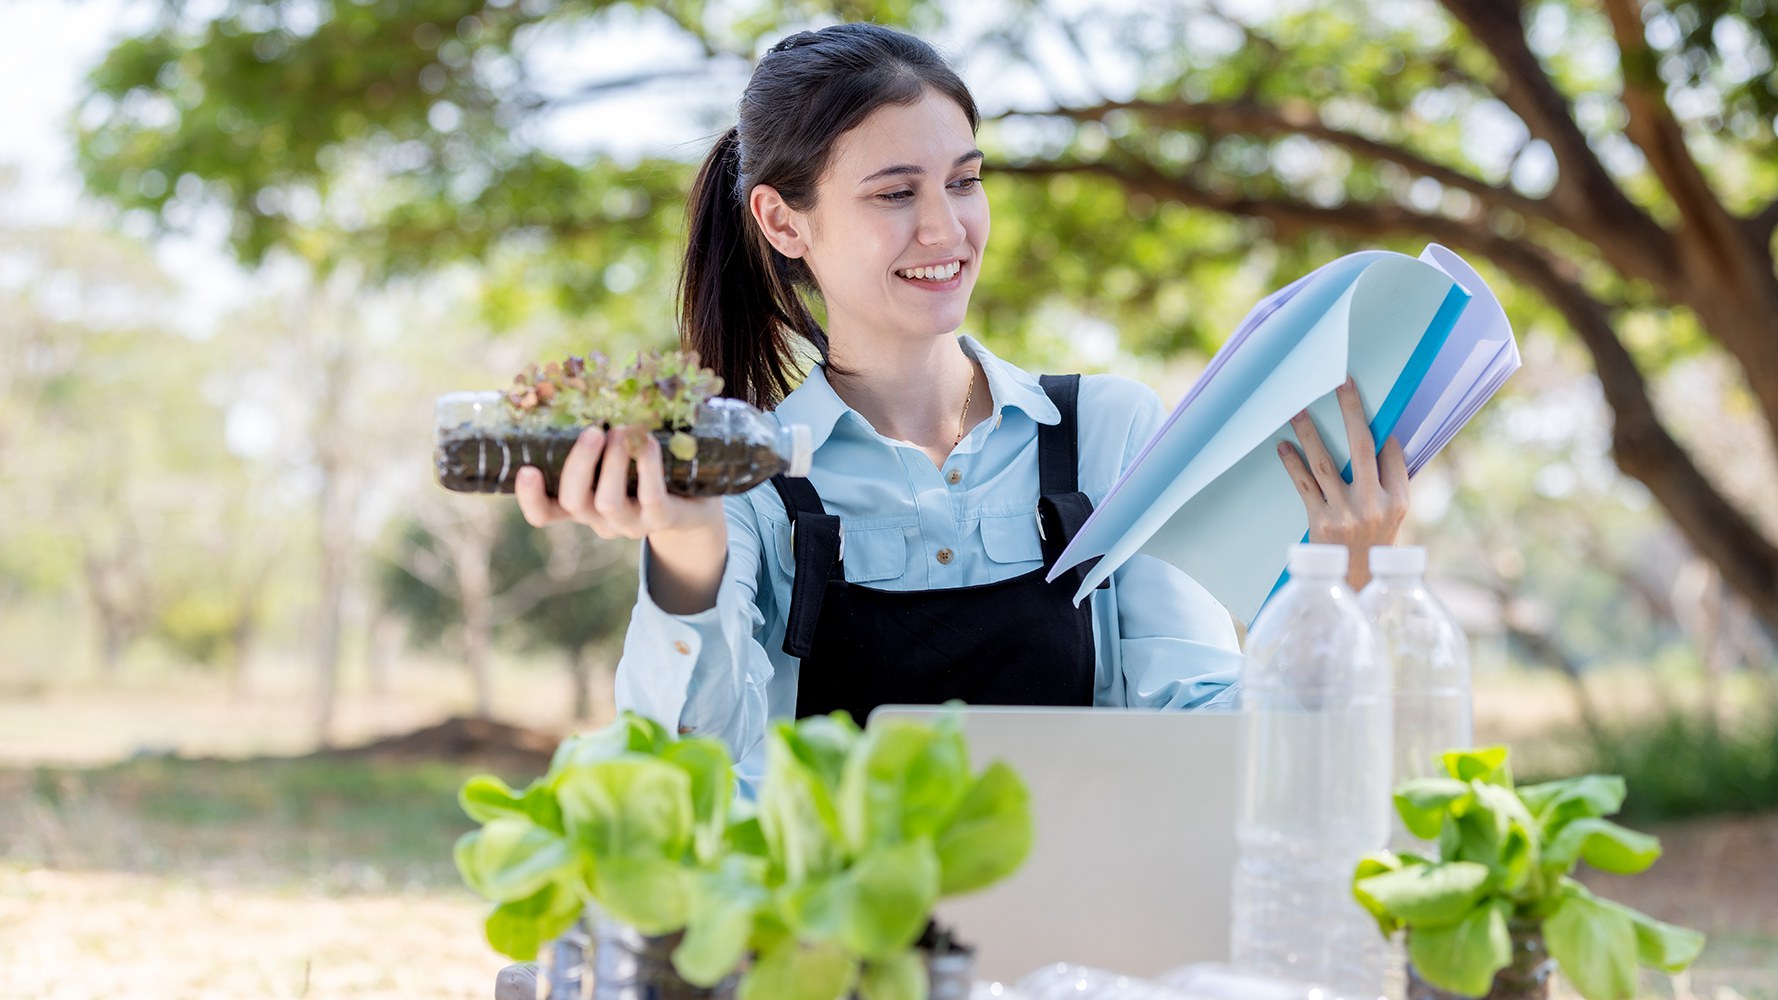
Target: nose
(939, 225)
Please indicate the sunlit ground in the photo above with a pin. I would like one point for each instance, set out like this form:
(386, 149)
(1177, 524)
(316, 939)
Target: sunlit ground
(128, 873)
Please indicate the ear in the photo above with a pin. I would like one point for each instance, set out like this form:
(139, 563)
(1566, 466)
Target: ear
(786, 229)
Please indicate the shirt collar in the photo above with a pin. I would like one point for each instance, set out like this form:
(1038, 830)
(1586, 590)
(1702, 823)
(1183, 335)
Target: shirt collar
(816, 405)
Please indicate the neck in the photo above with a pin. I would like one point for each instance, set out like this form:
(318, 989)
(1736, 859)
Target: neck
(913, 394)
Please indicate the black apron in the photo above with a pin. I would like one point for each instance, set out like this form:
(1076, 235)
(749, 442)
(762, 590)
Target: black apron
(1015, 642)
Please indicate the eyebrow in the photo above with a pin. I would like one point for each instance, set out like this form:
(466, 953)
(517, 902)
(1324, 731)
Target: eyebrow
(909, 169)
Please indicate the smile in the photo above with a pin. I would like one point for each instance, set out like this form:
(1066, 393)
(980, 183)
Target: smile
(937, 272)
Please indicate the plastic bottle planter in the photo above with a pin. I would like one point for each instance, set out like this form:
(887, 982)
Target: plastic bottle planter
(1527, 978)
(620, 963)
(735, 448)
(626, 965)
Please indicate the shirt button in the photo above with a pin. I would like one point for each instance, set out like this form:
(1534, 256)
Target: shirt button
(955, 477)
(682, 648)
(944, 557)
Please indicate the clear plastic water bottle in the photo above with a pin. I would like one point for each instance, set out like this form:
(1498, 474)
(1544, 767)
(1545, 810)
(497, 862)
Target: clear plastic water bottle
(1315, 786)
(1429, 664)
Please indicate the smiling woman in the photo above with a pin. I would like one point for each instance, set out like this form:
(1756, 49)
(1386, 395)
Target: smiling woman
(909, 566)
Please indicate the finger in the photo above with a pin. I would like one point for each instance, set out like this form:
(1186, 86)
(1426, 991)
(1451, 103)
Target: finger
(1393, 464)
(1359, 443)
(1300, 476)
(1320, 463)
(651, 482)
(534, 503)
(574, 489)
(611, 494)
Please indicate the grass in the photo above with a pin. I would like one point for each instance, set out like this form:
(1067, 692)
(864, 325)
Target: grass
(310, 877)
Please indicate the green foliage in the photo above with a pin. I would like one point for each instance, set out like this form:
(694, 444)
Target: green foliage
(1505, 858)
(658, 390)
(1685, 761)
(828, 882)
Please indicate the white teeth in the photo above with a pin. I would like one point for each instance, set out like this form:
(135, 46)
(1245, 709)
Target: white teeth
(943, 272)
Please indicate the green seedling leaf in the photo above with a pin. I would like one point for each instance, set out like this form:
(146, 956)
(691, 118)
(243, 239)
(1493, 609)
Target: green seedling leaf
(518, 929)
(647, 893)
(822, 743)
(631, 733)
(990, 834)
(795, 970)
(1485, 764)
(903, 781)
(706, 762)
(485, 797)
(720, 910)
(1369, 865)
(879, 906)
(1556, 803)
(796, 812)
(1463, 957)
(1426, 896)
(900, 977)
(630, 806)
(510, 858)
(1594, 944)
(1424, 803)
(1602, 844)
(1660, 945)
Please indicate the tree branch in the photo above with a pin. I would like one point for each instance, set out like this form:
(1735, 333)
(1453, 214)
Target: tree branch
(1764, 222)
(1640, 442)
(540, 585)
(1300, 119)
(1631, 240)
(1359, 219)
(1654, 130)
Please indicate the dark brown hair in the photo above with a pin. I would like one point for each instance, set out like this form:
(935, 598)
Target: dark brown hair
(740, 301)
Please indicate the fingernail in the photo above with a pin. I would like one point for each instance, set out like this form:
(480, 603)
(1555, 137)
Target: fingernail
(1283, 449)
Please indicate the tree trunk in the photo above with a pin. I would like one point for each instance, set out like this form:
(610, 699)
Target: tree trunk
(580, 675)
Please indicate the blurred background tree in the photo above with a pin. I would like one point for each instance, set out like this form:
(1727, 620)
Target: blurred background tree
(1158, 168)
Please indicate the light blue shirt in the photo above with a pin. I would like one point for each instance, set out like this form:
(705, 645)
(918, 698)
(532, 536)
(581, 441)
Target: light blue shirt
(1161, 641)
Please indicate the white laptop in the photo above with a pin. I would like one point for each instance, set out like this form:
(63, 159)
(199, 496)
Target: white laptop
(1134, 849)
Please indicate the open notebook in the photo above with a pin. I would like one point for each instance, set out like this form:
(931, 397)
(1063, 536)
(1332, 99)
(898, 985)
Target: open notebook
(1427, 344)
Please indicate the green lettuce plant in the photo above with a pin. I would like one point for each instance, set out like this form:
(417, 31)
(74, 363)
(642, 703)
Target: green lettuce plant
(821, 888)
(629, 817)
(1505, 858)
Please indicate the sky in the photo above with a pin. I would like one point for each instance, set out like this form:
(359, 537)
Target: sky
(46, 48)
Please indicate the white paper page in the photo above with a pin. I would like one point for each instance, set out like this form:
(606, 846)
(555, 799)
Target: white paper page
(1234, 535)
(1314, 367)
(1234, 376)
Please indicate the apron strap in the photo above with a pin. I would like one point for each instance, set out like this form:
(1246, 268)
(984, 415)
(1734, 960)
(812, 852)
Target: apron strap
(815, 542)
(1061, 507)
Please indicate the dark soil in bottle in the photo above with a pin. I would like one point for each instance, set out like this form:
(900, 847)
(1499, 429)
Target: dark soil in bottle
(476, 461)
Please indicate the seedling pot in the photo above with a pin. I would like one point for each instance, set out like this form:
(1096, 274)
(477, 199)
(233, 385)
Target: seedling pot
(1527, 978)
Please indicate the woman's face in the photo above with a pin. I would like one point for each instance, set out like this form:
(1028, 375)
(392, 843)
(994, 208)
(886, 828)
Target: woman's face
(899, 223)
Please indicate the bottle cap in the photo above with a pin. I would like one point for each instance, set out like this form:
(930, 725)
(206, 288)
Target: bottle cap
(802, 455)
(1309, 559)
(1398, 560)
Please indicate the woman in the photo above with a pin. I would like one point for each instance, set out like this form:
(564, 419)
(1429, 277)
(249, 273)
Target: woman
(853, 174)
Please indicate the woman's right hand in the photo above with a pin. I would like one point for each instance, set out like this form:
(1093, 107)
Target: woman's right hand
(687, 536)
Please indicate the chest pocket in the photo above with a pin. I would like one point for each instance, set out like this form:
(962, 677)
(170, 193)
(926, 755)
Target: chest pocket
(1012, 538)
(872, 554)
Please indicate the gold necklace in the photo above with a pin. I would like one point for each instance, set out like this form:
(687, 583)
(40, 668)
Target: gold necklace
(961, 417)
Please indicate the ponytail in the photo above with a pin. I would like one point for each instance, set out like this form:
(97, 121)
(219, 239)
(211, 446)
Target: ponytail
(738, 300)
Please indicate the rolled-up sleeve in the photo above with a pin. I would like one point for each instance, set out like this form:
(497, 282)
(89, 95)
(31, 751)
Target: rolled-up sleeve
(704, 673)
(1175, 643)
(1176, 646)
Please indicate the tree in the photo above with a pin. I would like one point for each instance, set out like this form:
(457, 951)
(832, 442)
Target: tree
(465, 572)
(1614, 161)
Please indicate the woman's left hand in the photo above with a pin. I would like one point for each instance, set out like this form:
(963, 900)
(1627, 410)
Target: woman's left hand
(1365, 512)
